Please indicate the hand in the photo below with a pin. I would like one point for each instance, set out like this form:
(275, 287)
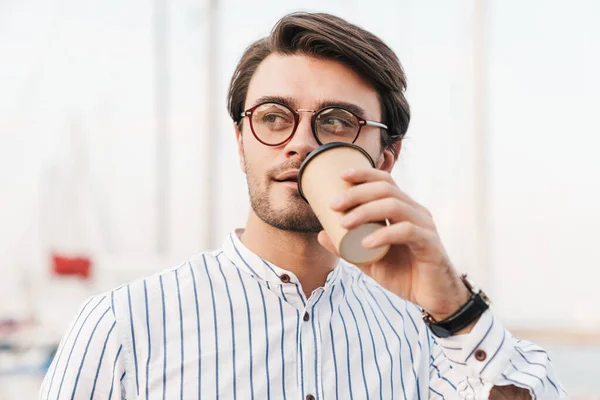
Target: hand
(416, 267)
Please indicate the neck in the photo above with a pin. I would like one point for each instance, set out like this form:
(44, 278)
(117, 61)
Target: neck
(299, 253)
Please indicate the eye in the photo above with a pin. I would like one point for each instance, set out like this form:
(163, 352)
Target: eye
(275, 118)
(337, 122)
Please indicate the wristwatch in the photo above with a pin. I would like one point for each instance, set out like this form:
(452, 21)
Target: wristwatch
(477, 304)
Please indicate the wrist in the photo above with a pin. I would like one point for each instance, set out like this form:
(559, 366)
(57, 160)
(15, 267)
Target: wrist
(453, 303)
(464, 319)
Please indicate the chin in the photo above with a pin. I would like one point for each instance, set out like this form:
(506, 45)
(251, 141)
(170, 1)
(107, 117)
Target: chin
(291, 214)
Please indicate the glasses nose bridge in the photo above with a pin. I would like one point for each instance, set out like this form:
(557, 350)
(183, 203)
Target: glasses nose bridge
(305, 110)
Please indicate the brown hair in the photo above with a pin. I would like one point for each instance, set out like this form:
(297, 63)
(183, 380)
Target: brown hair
(329, 37)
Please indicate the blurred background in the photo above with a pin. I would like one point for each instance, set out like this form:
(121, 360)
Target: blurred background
(117, 155)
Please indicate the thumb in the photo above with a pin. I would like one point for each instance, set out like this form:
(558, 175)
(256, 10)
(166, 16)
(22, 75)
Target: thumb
(325, 241)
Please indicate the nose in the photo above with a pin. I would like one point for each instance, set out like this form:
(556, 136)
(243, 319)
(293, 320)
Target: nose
(303, 141)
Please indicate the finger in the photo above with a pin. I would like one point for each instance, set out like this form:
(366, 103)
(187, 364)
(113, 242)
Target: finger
(325, 241)
(359, 176)
(405, 233)
(364, 193)
(390, 208)
(362, 175)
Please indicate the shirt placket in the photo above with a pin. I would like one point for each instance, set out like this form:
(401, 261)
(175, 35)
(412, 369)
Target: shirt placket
(310, 369)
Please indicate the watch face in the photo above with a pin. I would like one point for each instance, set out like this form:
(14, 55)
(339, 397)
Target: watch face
(439, 331)
(474, 289)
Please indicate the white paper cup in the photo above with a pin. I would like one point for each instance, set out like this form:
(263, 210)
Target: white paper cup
(320, 181)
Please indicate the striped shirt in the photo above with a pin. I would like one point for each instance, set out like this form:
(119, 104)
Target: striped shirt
(228, 324)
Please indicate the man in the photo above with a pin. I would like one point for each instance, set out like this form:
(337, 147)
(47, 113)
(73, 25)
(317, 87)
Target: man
(275, 314)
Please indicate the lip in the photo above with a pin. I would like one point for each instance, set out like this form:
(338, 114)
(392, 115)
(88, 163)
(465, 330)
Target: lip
(293, 174)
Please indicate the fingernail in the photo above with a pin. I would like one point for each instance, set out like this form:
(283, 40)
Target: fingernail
(349, 172)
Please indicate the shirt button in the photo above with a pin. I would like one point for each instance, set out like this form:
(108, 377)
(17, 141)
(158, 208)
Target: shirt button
(480, 355)
(310, 397)
(306, 318)
(285, 278)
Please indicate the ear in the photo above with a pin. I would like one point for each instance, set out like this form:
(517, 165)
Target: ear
(240, 146)
(387, 160)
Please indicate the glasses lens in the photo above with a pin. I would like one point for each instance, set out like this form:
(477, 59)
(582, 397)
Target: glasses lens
(273, 123)
(336, 125)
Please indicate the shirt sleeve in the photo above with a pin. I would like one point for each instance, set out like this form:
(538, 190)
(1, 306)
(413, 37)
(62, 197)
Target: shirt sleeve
(88, 362)
(468, 366)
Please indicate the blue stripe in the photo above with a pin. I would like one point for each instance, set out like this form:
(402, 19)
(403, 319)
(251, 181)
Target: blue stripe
(249, 332)
(530, 362)
(315, 340)
(333, 274)
(283, 294)
(87, 347)
(321, 341)
(413, 323)
(234, 370)
(471, 386)
(347, 342)
(101, 358)
(137, 385)
(64, 344)
(112, 382)
(527, 373)
(149, 342)
(212, 293)
(541, 365)
(481, 341)
(120, 382)
(301, 356)
(555, 387)
(242, 258)
(435, 366)
(282, 349)
(495, 353)
(300, 294)
(198, 330)
(180, 334)
(362, 361)
(164, 315)
(439, 374)
(438, 393)
(372, 342)
(397, 337)
(262, 296)
(412, 361)
(271, 268)
(451, 348)
(518, 384)
(73, 347)
(335, 369)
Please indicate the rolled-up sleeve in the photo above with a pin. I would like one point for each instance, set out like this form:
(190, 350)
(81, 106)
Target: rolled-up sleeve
(468, 366)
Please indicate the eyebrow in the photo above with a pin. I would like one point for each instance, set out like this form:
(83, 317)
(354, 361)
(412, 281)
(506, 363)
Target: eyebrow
(289, 101)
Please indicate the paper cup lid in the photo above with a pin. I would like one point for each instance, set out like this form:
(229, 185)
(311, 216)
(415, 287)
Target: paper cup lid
(322, 149)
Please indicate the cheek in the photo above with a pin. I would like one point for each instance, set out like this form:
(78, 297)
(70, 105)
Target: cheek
(373, 147)
(255, 161)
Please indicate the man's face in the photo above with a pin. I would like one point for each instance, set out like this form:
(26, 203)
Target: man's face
(305, 83)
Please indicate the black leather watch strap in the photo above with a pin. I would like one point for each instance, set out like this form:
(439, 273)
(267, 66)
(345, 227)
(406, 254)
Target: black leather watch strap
(468, 313)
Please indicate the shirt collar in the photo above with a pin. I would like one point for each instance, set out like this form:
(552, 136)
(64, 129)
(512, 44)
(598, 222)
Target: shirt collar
(252, 264)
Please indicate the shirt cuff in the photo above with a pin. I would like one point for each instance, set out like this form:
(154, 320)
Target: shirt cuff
(485, 351)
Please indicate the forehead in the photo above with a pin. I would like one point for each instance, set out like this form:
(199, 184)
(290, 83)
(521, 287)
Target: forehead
(311, 81)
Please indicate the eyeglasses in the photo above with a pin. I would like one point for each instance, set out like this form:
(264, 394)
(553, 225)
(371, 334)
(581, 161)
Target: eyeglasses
(274, 124)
